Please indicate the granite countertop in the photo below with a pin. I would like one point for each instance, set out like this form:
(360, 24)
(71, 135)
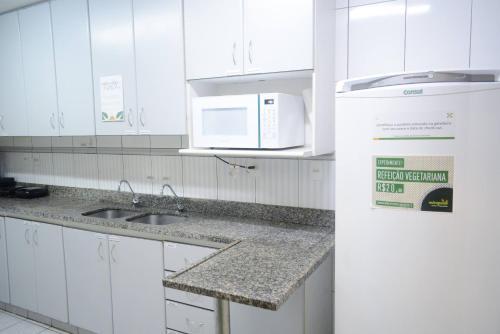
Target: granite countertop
(260, 263)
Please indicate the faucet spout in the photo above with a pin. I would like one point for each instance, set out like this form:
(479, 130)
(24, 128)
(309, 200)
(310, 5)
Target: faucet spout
(135, 197)
(178, 203)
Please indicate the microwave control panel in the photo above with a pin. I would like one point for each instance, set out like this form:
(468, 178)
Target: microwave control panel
(269, 123)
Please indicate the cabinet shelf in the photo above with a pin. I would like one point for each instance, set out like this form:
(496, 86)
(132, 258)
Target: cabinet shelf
(297, 152)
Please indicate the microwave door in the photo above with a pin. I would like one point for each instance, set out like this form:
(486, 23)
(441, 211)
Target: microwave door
(226, 122)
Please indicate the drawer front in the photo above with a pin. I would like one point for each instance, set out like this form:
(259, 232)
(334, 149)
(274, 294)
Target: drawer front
(190, 298)
(189, 319)
(178, 256)
(171, 331)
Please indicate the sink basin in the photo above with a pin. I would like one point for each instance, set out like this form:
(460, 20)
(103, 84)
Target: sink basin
(109, 213)
(157, 219)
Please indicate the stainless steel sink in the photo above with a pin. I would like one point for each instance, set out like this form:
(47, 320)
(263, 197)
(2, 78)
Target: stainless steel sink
(157, 219)
(110, 213)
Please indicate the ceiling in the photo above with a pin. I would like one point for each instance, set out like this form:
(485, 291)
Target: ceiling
(6, 5)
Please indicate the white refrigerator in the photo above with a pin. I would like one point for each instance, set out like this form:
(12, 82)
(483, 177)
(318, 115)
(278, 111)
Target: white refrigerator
(418, 196)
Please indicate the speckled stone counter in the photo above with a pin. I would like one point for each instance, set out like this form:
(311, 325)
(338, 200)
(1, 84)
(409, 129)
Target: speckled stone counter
(260, 263)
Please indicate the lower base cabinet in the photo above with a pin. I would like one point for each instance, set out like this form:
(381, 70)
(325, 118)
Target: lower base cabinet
(89, 287)
(37, 275)
(4, 272)
(137, 285)
(114, 283)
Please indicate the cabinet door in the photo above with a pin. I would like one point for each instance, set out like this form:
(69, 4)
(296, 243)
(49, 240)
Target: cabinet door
(13, 119)
(88, 280)
(21, 259)
(4, 271)
(438, 34)
(74, 67)
(160, 67)
(136, 280)
(50, 271)
(112, 32)
(341, 43)
(288, 319)
(278, 35)
(485, 47)
(376, 39)
(39, 70)
(214, 37)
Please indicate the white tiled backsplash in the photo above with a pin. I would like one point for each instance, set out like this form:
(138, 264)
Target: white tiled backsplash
(148, 162)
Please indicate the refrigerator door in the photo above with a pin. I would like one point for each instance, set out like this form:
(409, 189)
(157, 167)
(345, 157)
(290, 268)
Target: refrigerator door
(401, 269)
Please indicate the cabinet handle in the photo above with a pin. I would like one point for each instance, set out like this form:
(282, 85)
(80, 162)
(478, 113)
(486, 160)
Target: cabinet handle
(141, 113)
(234, 54)
(1, 122)
(99, 250)
(52, 121)
(26, 236)
(61, 120)
(113, 253)
(193, 327)
(35, 237)
(129, 117)
(250, 52)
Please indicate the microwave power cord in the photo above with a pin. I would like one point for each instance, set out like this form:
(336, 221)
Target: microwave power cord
(235, 165)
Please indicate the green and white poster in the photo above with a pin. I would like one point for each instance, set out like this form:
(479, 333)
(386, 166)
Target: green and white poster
(422, 183)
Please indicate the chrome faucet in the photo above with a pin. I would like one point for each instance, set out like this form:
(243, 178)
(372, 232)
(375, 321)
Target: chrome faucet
(135, 197)
(178, 203)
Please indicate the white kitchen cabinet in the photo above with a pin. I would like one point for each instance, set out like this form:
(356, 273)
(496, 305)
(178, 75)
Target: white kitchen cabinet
(4, 270)
(341, 43)
(36, 268)
(112, 33)
(289, 318)
(192, 320)
(159, 57)
(485, 44)
(225, 38)
(88, 280)
(213, 38)
(318, 299)
(179, 256)
(137, 290)
(73, 67)
(278, 35)
(438, 34)
(354, 3)
(341, 4)
(50, 271)
(13, 113)
(21, 260)
(39, 70)
(376, 39)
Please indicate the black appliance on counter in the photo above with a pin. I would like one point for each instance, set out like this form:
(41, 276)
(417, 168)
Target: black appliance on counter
(9, 188)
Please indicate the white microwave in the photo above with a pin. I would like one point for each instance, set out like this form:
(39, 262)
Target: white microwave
(254, 121)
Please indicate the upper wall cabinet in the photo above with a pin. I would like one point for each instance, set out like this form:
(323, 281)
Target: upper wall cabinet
(214, 38)
(39, 70)
(341, 43)
(73, 67)
(376, 38)
(13, 118)
(159, 52)
(231, 37)
(112, 31)
(278, 35)
(138, 45)
(438, 34)
(485, 46)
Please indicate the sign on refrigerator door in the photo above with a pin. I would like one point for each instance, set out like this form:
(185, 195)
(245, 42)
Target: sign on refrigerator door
(422, 183)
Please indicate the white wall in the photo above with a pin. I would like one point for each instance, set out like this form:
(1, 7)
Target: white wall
(378, 37)
(150, 161)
